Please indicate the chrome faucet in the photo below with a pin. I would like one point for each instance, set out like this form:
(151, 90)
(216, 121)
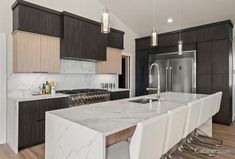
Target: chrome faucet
(158, 79)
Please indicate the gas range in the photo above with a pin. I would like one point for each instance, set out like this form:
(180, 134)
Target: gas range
(79, 97)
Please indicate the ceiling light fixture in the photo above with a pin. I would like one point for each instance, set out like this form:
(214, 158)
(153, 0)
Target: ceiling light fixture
(105, 25)
(180, 42)
(170, 20)
(154, 35)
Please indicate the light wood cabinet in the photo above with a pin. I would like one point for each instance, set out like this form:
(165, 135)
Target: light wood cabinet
(35, 53)
(50, 54)
(113, 64)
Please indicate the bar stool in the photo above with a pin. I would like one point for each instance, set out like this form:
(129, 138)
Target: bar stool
(210, 107)
(175, 130)
(192, 118)
(146, 143)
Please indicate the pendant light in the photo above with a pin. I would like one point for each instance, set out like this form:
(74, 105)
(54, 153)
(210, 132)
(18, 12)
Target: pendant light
(180, 45)
(180, 42)
(105, 25)
(154, 35)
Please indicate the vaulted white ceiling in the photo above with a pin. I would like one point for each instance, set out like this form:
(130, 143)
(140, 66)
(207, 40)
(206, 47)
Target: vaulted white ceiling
(138, 14)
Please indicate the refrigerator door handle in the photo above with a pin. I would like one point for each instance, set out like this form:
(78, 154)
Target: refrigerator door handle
(171, 78)
(166, 78)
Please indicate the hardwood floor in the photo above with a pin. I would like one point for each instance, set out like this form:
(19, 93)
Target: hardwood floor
(219, 131)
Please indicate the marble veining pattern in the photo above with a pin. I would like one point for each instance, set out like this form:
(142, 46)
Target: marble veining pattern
(74, 75)
(114, 116)
(64, 145)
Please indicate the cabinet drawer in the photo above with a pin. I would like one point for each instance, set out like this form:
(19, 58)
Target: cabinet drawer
(119, 95)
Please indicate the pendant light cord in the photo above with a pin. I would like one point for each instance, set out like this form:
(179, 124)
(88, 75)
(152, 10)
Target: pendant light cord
(154, 10)
(180, 31)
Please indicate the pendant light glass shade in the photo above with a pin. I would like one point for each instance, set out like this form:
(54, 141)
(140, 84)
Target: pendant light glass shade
(180, 47)
(105, 25)
(154, 38)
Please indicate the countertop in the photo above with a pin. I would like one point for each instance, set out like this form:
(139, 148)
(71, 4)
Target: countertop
(37, 97)
(114, 116)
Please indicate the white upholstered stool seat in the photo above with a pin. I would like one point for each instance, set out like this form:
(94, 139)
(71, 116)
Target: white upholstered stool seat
(118, 151)
(146, 143)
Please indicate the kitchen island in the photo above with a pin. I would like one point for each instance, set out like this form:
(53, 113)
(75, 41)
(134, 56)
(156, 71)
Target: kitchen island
(81, 132)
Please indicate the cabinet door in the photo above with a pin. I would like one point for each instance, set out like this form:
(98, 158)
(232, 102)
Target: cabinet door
(216, 32)
(32, 120)
(28, 118)
(39, 20)
(204, 57)
(113, 64)
(204, 83)
(115, 40)
(220, 58)
(51, 104)
(26, 52)
(82, 40)
(50, 54)
(221, 83)
(142, 60)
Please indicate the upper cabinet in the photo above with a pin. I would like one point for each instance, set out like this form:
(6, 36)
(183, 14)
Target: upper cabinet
(43, 36)
(219, 31)
(35, 53)
(115, 39)
(82, 39)
(113, 65)
(36, 19)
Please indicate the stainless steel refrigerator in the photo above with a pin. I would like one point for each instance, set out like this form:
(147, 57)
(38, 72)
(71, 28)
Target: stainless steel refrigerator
(177, 72)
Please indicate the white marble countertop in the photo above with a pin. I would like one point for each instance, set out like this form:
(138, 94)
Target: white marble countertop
(114, 116)
(36, 97)
(119, 90)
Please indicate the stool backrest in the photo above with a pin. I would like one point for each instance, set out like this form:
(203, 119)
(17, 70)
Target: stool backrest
(148, 139)
(206, 111)
(218, 104)
(192, 118)
(175, 127)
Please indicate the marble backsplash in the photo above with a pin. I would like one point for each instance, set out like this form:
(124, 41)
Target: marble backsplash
(74, 75)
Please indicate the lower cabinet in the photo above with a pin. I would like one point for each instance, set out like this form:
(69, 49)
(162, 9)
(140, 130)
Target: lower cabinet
(119, 95)
(32, 120)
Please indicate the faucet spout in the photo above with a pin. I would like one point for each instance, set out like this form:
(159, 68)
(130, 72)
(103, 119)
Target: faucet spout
(158, 78)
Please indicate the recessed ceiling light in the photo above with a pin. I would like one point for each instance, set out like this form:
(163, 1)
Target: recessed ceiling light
(170, 20)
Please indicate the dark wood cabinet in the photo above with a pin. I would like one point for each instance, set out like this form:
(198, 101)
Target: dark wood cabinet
(32, 120)
(217, 31)
(36, 19)
(165, 40)
(204, 57)
(82, 39)
(220, 57)
(204, 83)
(142, 43)
(119, 95)
(115, 39)
(221, 83)
(141, 83)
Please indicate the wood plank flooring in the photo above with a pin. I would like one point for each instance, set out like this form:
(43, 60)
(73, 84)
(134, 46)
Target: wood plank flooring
(219, 131)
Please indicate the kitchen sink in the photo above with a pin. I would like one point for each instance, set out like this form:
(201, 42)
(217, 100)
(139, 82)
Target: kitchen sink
(143, 100)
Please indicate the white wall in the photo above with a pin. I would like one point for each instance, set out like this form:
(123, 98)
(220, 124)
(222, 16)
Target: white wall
(2, 88)
(91, 9)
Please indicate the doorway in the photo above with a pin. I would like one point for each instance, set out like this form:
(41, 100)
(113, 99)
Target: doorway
(124, 77)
